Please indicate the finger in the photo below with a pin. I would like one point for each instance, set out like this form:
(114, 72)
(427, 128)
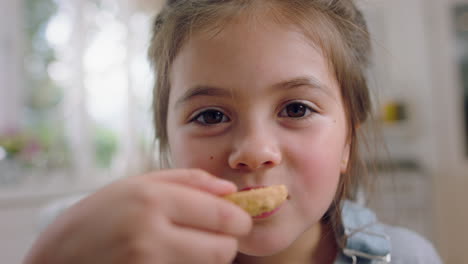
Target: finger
(200, 210)
(201, 247)
(197, 179)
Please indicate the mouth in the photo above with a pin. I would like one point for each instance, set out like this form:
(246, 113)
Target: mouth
(268, 214)
(251, 188)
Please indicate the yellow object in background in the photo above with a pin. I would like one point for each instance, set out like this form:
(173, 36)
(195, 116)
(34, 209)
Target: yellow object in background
(393, 112)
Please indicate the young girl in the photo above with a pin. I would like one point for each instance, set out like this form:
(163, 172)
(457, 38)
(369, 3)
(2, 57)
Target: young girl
(249, 93)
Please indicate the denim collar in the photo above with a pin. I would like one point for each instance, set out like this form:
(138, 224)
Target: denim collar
(364, 238)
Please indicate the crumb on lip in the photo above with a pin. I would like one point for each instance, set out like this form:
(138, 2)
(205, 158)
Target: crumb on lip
(288, 197)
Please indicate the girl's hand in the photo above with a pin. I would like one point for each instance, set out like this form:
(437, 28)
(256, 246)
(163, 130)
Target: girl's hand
(173, 216)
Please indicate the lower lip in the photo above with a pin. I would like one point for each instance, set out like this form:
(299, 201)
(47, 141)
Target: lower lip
(251, 188)
(268, 214)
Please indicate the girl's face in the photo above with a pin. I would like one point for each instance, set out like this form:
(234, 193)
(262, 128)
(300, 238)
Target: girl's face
(258, 105)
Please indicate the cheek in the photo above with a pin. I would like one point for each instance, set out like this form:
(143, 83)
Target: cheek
(319, 152)
(189, 152)
(318, 173)
(316, 164)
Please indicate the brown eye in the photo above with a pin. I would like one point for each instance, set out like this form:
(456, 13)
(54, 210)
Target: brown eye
(296, 110)
(211, 117)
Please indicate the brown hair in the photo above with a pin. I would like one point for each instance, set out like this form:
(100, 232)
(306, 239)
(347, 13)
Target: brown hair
(336, 27)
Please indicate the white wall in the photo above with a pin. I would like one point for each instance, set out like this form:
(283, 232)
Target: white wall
(416, 63)
(451, 179)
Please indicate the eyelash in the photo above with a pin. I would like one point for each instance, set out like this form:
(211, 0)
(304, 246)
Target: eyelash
(308, 110)
(202, 113)
(224, 118)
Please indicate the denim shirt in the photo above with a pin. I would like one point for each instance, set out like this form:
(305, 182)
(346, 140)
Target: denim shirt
(367, 241)
(364, 237)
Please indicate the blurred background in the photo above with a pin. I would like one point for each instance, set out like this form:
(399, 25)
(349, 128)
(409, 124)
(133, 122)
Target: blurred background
(75, 110)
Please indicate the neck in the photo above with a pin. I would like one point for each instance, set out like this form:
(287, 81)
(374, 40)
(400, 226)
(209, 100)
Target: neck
(316, 245)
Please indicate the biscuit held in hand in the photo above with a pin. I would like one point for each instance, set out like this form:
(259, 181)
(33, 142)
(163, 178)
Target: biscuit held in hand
(261, 200)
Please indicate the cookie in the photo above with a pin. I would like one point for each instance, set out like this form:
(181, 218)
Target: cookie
(260, 200)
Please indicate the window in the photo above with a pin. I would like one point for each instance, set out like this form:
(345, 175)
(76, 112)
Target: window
(84, 105)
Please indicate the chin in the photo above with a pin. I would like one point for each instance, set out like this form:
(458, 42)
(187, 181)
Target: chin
(261, 243)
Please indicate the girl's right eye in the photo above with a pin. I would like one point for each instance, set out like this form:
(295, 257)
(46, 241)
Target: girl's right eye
(210, 117)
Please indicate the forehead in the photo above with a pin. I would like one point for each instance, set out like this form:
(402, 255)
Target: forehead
(248, 53)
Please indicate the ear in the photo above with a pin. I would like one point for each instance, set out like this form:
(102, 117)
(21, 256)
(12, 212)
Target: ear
(345, 157)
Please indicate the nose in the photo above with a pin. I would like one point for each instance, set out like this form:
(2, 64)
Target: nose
(254, 149)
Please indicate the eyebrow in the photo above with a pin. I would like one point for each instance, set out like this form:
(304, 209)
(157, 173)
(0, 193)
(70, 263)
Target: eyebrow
(203, 90)
(302, 81)
(206, 90)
